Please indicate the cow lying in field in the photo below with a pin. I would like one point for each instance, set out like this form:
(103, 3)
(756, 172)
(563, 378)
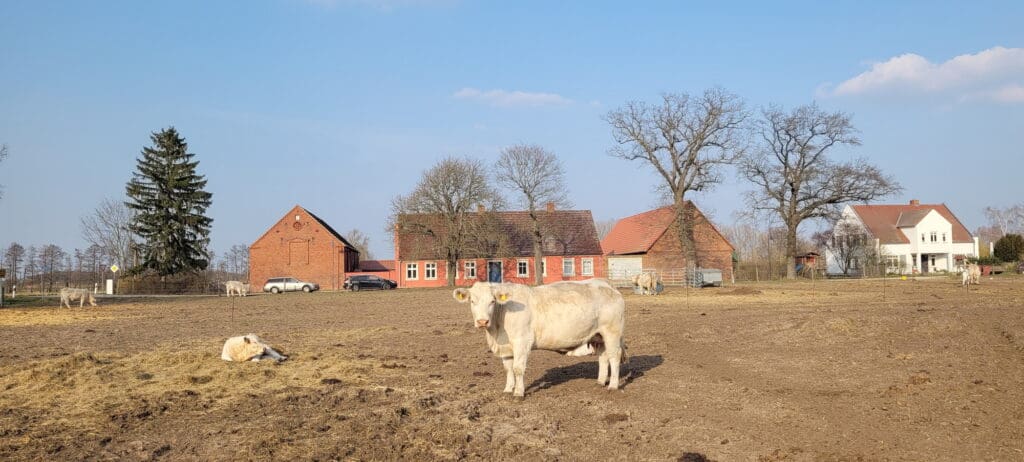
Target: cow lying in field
(249, 348)
(237, 287)
(575, 318)
(68, 295)
(647, 282)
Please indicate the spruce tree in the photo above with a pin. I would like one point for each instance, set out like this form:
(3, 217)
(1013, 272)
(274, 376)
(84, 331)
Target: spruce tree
(170, 203)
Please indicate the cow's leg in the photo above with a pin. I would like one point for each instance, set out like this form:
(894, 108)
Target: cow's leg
(520, 353)
(602, 365)
(510, 377)
(81, 302)
(613, 354)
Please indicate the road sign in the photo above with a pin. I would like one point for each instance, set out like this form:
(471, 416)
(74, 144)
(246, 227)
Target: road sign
(114, 268)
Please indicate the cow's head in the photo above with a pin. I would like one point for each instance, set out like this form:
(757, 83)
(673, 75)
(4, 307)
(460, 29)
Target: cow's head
(252, 346)
(483, 299)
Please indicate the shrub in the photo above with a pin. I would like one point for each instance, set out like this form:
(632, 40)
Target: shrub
(1009, 247)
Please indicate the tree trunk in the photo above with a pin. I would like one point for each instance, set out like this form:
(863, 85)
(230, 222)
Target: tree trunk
(684, 224)
(450, 265)
(790, 251)
(538, 249)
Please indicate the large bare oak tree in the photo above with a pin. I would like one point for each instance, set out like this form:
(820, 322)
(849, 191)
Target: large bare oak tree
(441, 206)
(794, 177)
(537, 177)
(686, 140)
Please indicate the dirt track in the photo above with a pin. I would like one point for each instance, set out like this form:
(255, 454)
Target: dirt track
(830, 371)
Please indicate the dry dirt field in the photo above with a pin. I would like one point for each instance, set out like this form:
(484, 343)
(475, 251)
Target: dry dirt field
(835, 370)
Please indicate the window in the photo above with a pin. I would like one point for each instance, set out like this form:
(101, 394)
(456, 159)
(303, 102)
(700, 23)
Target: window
(523, 268)
(470, 270)
(412, 271)
(430, 271)
(544, 266)
(587, 266)
(935, 237)
(943, 237)
(568, 267)
(922, 237)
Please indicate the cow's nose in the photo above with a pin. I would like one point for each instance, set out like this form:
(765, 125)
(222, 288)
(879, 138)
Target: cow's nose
(482, 323)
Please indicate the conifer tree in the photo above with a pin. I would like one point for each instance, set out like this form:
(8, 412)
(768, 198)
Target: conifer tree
(170, 203)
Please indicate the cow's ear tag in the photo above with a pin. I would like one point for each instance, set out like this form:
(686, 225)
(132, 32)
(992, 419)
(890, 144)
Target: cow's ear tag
(460, 296)
(502, 298)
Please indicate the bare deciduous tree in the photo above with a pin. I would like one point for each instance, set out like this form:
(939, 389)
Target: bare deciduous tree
(686, 140)
(51, 257)
(236, 260)
(13, 257)
(849, 247)
(441, 205)
(1006, 221)
(108, 228)
(604, 227)
(794, 178)
(537, 177)
(361, 241)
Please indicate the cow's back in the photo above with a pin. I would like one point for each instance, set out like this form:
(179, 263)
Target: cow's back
(567, 314)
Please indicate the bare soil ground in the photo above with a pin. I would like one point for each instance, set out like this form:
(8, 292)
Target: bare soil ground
(835, 370)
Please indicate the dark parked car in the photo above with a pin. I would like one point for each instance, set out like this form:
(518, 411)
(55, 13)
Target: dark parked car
(356, 283)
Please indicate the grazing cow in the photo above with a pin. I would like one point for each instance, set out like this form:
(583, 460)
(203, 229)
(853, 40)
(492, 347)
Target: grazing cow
(574, 318)
(237, 287)
(249, 348)
(68, 295)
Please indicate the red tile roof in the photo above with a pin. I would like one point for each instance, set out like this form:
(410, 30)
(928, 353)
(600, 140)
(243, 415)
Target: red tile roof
(501, 234)
(883, 221)
(637, 233)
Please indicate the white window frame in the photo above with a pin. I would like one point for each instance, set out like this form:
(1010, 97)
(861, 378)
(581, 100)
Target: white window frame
(522, 265)
(470, 269)
(414, 270)
(427, 267)
(572, 267)
(543, 266)
(583, 267)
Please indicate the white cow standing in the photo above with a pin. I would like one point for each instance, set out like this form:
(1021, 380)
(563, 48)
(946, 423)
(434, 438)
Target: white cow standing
(575, 318)
(236, 287)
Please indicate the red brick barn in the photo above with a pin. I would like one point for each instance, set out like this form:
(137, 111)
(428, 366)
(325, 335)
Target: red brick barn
(303, 246)
(650, 240)
(498, 248)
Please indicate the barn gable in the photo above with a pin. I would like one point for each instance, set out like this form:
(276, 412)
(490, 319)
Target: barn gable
(304, 246)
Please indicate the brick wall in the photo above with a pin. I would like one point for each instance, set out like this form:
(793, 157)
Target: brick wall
(713, 251)
(302, 249)
(509, 268)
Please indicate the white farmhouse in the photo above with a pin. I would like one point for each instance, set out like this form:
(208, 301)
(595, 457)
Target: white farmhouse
(910, 239)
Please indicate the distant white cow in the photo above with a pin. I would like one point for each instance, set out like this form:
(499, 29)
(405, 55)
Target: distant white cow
(972, 274)
(575, 318)
(68, 295)
(648, 283)
(249, 348)
(237, 287)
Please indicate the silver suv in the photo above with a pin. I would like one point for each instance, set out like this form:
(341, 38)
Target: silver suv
(278, 285)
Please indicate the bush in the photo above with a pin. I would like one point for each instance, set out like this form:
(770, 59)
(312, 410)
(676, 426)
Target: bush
(1009, 247)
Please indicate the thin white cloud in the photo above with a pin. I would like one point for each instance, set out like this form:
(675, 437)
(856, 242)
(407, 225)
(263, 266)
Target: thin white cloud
(502, 98)
(997, 72)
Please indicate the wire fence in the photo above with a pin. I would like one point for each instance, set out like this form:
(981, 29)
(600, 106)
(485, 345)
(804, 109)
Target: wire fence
(673, 277)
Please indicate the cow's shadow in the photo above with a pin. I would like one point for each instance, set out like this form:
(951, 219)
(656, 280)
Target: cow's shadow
(635, 368)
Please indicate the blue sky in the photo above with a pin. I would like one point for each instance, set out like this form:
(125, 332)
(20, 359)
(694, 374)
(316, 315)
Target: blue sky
(340, 105)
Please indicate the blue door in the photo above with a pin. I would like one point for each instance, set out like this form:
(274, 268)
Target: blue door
(494, 271)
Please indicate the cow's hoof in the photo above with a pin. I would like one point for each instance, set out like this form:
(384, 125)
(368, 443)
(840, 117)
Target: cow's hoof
(518, 398)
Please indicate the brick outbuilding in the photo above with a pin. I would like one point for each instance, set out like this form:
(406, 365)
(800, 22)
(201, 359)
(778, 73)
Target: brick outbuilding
(500, 248)
(303, 246)
(649, 240)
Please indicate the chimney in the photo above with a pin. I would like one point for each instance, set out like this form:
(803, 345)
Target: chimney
(915, 202)
(551, 206)
(480, 208)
